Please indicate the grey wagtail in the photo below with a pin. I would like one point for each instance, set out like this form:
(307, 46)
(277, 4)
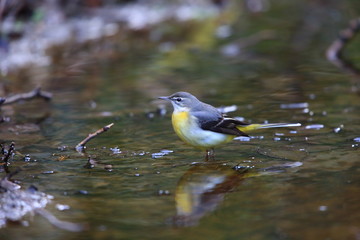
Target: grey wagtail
(203, 126)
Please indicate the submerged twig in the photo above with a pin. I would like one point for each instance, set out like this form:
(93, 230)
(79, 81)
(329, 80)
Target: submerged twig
(9, 153)
(26, 96)
(6, 156)
(82, 144)
(334, 52)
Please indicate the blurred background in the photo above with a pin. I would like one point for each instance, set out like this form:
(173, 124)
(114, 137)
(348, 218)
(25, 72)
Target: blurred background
(156, 47)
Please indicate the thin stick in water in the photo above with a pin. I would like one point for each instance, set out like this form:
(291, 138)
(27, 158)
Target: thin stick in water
(82, 144)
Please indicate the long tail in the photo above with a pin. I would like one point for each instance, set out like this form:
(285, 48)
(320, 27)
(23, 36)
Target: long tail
(252, 127)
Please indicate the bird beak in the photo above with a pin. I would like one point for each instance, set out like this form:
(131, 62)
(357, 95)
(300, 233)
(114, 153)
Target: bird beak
(165, 98)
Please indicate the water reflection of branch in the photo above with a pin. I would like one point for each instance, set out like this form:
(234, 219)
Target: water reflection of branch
(69, 226)
(334, 52)
(201, 189)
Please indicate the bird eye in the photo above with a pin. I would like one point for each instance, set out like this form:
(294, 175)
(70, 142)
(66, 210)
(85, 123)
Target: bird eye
(178, 99)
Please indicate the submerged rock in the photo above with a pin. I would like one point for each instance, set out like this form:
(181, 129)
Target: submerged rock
(15, 204)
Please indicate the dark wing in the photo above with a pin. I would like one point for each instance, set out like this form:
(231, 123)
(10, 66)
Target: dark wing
(216, 122)
(229, 126)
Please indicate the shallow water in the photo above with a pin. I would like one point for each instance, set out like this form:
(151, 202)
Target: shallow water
(298, 183)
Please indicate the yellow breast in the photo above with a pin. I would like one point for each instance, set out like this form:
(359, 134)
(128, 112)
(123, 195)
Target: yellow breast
(181, 123)
(186, 127)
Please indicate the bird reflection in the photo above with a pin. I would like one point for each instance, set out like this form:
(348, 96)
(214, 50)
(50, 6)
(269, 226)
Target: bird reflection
(202, 188)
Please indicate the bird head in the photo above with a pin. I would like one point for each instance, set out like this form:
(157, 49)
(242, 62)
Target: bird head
(181, 101)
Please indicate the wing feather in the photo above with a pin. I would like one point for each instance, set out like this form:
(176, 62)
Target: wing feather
(216, 122)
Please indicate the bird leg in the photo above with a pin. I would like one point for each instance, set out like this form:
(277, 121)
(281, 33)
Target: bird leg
(210, 155)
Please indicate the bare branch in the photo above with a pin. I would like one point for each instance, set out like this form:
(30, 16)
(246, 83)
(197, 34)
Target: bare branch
(335, 51)
(82, 144)
(26, 96)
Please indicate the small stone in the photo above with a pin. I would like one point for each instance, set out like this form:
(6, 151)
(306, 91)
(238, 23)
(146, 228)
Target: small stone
(115, 150)
(314, 126)
(27, 158)
(84, 192)
(108, 167)
(323, 208)
(62, 148)
(336, 130)
(62, 207)
(163, 192)
(294, 105)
